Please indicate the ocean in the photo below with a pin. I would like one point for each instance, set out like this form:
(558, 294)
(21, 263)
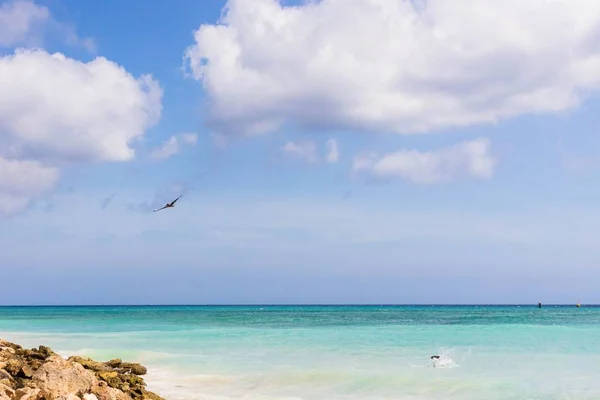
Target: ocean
(333, 352)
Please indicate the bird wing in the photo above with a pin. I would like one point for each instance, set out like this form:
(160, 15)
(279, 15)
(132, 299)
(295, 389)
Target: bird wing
(174, 201)
(158, 209)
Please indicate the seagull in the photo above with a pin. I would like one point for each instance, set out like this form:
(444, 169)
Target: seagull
(168, 205)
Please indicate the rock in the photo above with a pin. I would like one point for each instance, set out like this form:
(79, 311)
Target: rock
(60, 378)
(134, 368)
(13, 366)
(111, 378)
(26, 371)
(28, 394)
(33, 354)
(5, 376)
(114, 363)
(7, 351)
(41, 374)
(69, 397)
(46, 351)
(6, 391)
(151, 396)
(104, 392)
(90, 364)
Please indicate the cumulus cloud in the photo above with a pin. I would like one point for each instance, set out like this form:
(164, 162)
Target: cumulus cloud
(173, 145)
(467, 159)
(22, 22)
(189, 138)
(306, 150)
(18, 19)
(394, 66)
(333, 152)
(166, 150)
(20, 180)
(55, 111)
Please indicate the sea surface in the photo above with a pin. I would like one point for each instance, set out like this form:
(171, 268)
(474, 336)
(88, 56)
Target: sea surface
(333, 352)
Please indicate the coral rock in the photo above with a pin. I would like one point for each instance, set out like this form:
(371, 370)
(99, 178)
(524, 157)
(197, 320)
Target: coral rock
(28, 394)
(6, 392)
(104, 392)
(41, 374)
(60, 378)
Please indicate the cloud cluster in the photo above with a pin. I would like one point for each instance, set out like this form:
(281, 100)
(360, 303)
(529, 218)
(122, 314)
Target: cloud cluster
(307, 151)
(22, 22)
(470, 159)
(21, 180)
(56, 111)
(173, 145)
(18, 19)
(394, 66)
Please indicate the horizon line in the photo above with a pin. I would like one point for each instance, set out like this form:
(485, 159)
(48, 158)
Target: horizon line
(302, 305)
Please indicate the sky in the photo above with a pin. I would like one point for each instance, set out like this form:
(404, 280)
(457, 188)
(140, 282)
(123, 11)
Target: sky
(332, 151)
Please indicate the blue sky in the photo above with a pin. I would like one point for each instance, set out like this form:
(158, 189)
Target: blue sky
(466, 167)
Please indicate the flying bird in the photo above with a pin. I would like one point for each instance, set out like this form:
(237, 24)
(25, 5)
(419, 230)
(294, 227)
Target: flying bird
(168, 205)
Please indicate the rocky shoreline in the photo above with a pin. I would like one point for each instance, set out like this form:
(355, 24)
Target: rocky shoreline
(41, 374)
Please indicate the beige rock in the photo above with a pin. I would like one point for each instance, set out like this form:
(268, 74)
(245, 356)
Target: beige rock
(104, 392)
(5, 376)
(41, 374)
(9, 350)
(90, 364)
(69, 397)
(6, 392)
(6, 354)
(60, 378)
(13, 366)
(28, 394)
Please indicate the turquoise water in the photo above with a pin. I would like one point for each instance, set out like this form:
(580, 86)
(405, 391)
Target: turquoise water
(333, 352)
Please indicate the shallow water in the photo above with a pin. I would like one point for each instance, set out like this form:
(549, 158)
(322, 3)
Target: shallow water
(333, 352)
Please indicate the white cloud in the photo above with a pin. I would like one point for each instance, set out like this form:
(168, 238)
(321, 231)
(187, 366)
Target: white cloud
(389, 65)
(172, 145)
(333, 151)
(467, 159)
(21, 180)
(18, 19)
(189, 138)
(24, 22)
(56, 110)
(306, 150)
(168, 149)
(54, 107)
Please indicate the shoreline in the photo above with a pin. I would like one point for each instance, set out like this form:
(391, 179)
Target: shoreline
(40, 373)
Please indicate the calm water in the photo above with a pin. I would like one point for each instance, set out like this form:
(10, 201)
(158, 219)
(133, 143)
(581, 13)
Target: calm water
(329, 352)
